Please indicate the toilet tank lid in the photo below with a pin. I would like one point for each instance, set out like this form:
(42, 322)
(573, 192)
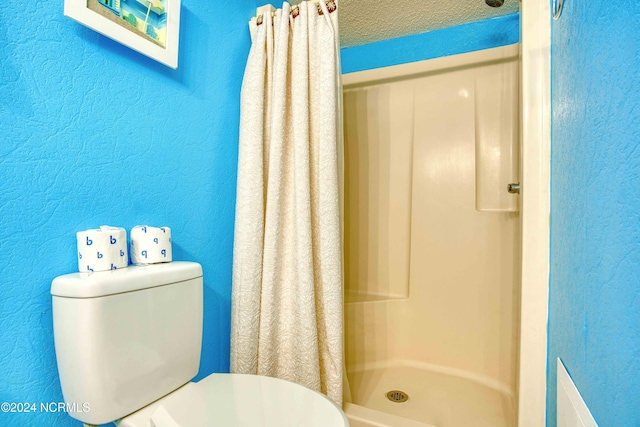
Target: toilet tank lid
(132, 278)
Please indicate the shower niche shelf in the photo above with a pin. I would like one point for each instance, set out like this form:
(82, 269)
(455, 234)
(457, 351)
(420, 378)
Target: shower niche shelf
(353, 297)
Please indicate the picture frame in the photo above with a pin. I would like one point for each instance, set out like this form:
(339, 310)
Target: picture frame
(151, 27)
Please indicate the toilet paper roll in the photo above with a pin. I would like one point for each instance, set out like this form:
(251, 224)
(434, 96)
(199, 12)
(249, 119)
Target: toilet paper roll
(102, 249)
(150, 245)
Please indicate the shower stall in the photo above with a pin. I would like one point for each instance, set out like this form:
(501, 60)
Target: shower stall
(433, 242)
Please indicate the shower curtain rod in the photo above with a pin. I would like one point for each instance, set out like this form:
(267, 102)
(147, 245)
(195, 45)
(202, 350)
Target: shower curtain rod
(295, 10)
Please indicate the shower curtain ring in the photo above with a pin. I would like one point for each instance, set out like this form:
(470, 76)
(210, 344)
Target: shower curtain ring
(558, 5)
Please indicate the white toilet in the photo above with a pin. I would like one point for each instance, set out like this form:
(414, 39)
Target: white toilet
(128, 342)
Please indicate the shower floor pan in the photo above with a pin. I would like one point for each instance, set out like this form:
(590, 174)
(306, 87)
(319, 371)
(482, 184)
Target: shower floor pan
(435, 400)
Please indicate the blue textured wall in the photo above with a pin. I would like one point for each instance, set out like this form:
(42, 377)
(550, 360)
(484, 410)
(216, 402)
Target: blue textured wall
(595, 208)
(494, 32)
(92, 133)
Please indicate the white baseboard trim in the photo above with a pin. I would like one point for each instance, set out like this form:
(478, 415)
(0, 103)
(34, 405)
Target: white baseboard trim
(572, 411)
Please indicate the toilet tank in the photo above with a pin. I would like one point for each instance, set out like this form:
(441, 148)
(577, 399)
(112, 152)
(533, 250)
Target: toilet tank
(124, 338)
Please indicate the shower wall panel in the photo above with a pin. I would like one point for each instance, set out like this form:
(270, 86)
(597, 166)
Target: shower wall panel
(378, 176)
(431, 280)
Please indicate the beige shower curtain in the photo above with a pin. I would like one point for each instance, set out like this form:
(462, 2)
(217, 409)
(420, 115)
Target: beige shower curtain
(287, 310)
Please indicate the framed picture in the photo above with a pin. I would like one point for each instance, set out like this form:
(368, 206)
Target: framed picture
(151, 27)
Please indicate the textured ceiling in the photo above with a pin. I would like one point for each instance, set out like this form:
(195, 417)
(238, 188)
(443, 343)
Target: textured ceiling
(367, 21)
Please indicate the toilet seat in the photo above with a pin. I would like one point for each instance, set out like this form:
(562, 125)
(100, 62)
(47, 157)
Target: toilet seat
(236, 400)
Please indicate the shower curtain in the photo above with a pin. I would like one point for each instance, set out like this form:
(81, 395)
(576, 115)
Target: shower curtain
(287, 305)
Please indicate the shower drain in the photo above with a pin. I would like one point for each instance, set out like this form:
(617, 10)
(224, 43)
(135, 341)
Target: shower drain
(397, 396)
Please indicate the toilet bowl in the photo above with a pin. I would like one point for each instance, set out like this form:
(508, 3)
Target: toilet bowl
(128, 343)
(235, 400)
